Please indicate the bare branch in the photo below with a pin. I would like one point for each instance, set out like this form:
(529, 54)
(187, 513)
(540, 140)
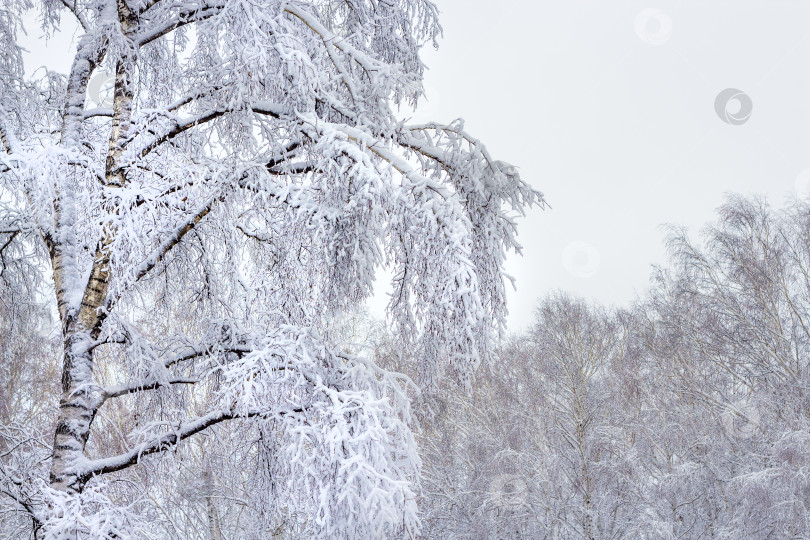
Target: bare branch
(197, 352)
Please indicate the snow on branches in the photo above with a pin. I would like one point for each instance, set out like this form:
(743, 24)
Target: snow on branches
(249, 175)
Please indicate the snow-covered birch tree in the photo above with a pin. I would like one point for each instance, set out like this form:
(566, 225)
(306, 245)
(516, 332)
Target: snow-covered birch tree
(196, 233)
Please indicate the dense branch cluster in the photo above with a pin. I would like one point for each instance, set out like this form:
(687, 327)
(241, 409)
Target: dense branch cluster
(199, 232)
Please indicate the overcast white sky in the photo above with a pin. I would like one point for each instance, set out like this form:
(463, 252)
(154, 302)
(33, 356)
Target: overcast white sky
(621, 134)
(608, 107)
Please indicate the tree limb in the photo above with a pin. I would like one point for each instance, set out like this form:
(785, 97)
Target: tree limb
(266, 108)
(182, 19)
(164, 442)
(75, 11)
(119, 390)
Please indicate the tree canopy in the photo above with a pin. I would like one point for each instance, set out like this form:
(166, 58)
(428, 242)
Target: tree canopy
(199, 232)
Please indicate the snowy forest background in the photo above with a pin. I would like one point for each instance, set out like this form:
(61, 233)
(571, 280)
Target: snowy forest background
(186, 262)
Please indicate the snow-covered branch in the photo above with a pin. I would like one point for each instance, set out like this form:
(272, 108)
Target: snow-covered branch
(182, 125)
(146, 384)
(196, 14)
(181, 431)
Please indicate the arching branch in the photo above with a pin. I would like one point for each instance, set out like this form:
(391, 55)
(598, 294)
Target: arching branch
(182, 125)
(182, 19)
(74, 9)
(165, 441)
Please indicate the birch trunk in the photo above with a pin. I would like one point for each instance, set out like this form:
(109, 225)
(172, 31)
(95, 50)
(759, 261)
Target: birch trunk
(81, 325)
